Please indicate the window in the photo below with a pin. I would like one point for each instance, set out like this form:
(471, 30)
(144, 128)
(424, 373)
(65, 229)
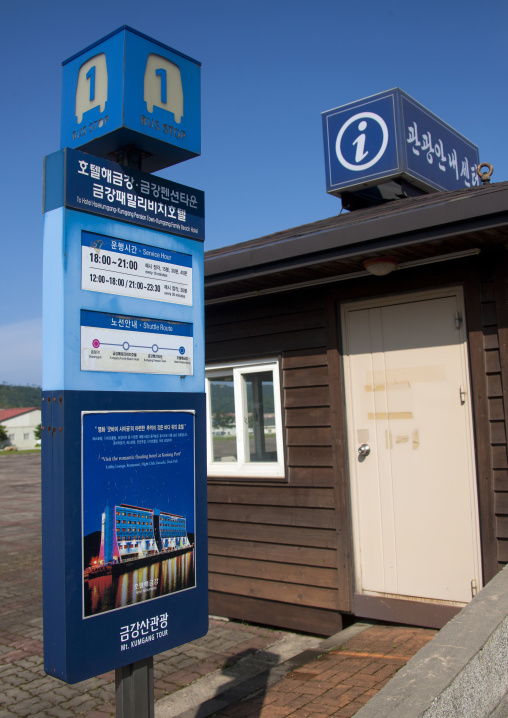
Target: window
(244, 426)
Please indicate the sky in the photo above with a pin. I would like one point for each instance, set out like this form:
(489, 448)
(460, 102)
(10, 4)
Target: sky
(269, 69)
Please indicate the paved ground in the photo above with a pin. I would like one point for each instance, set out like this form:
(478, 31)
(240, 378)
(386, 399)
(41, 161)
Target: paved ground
(339, 682)
(285, 673)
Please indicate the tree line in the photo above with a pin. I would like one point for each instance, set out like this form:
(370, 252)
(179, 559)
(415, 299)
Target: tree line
(13, 396)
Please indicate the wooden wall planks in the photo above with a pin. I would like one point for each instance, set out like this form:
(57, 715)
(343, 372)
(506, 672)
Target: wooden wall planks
(277, 543)
(280, 554)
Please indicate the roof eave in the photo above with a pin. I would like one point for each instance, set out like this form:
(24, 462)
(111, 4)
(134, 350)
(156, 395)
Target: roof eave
(470, 211)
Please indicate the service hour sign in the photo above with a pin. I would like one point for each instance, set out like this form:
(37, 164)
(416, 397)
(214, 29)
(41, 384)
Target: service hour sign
(135, 270)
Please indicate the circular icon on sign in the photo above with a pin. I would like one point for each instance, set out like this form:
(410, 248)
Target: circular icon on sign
(126, 345)
(182, 350)
(155, 348)
(96, 343)
(365, 135)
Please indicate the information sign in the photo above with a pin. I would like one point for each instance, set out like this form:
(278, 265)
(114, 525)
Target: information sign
(390, 136)
(111, 342)
(135, 270)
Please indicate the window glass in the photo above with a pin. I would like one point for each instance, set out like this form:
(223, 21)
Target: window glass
(262, 443)
(223, 418)
(244, 421)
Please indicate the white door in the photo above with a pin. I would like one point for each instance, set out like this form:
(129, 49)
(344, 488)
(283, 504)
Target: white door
(413, 486)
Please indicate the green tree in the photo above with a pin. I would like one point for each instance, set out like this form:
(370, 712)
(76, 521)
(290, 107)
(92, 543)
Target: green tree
(14, 396)
(221, 420)
(3, 433)
(37, 431)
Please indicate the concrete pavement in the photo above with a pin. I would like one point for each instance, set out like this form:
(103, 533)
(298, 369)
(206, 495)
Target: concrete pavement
(237, 669)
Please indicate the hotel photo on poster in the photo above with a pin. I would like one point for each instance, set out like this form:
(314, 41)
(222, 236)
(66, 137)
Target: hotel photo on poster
(138, 507)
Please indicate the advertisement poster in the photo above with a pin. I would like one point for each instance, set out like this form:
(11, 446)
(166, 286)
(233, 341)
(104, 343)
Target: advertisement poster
(138, 507)
(120, 343)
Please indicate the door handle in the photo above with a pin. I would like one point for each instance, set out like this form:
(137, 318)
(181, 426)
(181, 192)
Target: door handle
(364, 450)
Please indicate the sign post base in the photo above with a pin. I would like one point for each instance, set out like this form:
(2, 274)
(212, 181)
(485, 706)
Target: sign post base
(134, 690)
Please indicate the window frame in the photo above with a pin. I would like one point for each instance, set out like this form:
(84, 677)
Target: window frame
(242, 469)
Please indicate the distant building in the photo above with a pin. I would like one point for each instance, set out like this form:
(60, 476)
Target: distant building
(20, 425)
(131, 532)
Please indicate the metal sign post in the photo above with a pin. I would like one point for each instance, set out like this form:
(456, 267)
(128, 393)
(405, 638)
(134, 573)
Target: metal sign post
(134, 690)
(124, 465)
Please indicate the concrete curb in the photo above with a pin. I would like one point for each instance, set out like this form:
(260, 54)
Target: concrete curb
(249, 676)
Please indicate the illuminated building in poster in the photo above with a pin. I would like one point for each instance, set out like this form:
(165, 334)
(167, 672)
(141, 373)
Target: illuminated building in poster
(132, 532)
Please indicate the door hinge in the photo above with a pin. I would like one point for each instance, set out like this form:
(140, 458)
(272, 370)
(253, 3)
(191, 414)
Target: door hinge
(458, 320)
(474, 588)
(462, 395)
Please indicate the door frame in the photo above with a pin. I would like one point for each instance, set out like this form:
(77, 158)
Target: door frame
(424, 612)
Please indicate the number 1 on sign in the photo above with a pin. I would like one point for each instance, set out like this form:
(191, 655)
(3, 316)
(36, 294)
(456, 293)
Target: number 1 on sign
(162, 74)
(90, 75)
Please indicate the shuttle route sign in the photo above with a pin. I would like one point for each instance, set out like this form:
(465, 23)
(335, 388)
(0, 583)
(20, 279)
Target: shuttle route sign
(118, 343)
(135, 270)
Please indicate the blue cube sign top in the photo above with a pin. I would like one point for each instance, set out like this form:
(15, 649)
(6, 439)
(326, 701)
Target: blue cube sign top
(130, 90)
(391, 136)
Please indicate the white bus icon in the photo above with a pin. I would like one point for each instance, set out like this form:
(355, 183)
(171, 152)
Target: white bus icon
(163, 86)
(92, 87)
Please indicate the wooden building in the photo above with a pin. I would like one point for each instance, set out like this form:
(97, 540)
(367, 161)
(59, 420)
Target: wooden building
(375, 483)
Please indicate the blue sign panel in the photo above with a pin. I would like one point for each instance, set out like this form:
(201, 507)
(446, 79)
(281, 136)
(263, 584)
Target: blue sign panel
(102, 273)
(105, 188)
(434, 153)
(362, 142)
(128, 89)
(390, 136)
(124, 535)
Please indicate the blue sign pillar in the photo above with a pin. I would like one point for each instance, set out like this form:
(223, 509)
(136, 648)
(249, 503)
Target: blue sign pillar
(124, 465)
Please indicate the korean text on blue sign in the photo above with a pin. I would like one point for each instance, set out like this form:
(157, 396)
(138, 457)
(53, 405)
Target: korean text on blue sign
(108, 189)
(390, 136)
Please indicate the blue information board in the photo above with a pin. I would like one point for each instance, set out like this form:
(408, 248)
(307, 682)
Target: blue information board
(123, 404)
(390, 136)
